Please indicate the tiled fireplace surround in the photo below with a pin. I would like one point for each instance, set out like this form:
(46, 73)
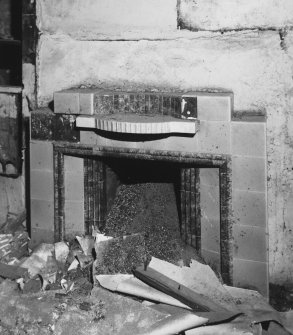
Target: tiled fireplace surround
(223, 176)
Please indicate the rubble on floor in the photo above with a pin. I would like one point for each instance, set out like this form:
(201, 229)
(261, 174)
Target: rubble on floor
(14, 239)
(98, 285)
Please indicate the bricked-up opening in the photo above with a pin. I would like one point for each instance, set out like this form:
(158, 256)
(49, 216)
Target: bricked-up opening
(167, 170)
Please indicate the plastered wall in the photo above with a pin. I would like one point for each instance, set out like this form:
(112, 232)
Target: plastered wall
(242, 46)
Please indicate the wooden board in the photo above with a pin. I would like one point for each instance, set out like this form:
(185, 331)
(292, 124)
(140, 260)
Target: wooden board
(187, 296)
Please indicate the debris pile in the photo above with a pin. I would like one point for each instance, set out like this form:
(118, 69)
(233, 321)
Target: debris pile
(108, 285)
(13, 239)
(151, 210)
(195, 301)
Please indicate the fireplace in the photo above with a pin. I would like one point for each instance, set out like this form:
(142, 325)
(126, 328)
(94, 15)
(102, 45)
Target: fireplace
(215, 159)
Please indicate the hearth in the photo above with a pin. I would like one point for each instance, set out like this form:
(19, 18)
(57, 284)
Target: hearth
(216, 165)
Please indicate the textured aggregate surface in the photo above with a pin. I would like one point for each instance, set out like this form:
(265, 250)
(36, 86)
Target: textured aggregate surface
(147, 212)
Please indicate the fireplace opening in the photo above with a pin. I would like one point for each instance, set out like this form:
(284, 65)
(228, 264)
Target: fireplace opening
(144, 198)
(179, 204)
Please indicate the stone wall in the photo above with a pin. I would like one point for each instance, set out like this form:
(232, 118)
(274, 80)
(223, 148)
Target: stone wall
(242, 46)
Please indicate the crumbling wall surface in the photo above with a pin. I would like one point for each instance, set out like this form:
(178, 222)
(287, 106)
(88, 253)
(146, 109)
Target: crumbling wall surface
(245, 46)
(11, 197)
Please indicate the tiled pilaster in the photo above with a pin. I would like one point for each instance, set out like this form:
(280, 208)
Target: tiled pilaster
(249, 201)
(210, 216)
(214, 113)
(74, 195)
(42, 192)
(190, 207)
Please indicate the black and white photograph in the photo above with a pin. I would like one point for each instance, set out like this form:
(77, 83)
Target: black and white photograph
(146, 167)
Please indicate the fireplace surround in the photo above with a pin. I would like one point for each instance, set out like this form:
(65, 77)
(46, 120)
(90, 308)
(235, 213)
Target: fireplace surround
(222, 171)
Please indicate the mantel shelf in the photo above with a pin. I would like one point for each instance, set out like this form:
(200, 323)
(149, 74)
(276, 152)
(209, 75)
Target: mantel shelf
(130, 123)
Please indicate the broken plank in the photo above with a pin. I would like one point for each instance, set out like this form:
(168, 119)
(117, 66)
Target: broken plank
(187, 296)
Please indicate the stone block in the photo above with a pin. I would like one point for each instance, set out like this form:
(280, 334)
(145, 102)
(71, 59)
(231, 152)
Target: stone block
(41, 236)
(42, 214)
(209, 177)
(213, 106)
(249, 173)
(210, 210)
(173, 143)
(66, 102)
(251, 274)
(41, 185)
(74, 216)
(41, 156)
(210, 234)
(250, 208)
(214, 137)
(248, 139)
(210, 202)
(86, 103)
(212, 258)
(238, 14)
(250, 243)
(99, 19)
(86, 123)
(74, 186)
(88, 137)
(73, 164)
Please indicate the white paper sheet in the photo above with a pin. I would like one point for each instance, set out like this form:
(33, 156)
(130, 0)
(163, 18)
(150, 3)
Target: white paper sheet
(128, 284)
